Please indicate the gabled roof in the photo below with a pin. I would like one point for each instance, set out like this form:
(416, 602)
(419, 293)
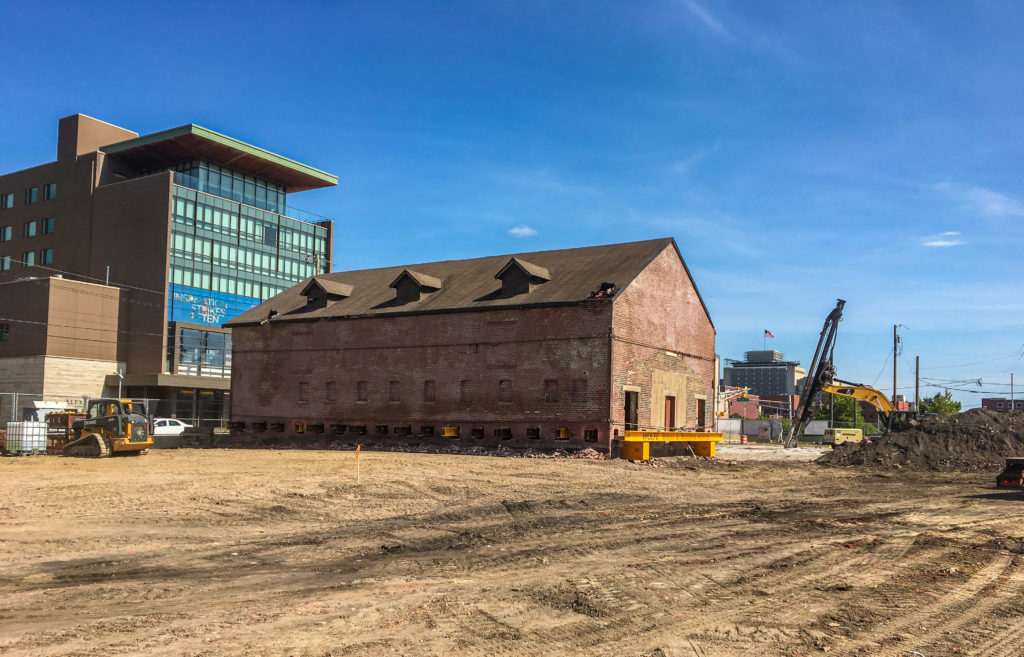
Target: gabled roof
(470, 285)
(530, 269)
(194, 142)
(333, 288)
(423, 280)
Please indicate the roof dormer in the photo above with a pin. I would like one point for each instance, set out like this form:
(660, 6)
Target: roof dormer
(409, 285)
(519, 277)
(320, 291)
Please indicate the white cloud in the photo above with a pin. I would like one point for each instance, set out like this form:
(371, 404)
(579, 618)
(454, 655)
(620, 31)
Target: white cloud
(943, 239)
(986, 201)
(705, 16)
(685, 166)
(522, 231)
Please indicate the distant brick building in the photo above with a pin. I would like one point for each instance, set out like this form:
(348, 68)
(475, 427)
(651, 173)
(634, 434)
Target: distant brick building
(551, 348)
(1002, 404)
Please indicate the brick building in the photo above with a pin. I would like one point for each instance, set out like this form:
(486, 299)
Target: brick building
(1002, 404)
(551, 348)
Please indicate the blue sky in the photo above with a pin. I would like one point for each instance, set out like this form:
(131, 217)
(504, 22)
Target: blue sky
(797, 151)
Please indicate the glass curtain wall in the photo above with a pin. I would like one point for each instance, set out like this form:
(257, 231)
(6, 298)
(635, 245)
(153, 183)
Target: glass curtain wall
(204, 353)
(234, 185)
(233, 240)
(229, 247)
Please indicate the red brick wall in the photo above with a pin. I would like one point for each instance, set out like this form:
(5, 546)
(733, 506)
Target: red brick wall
(525, 346)
(660, 312)
(281, 370)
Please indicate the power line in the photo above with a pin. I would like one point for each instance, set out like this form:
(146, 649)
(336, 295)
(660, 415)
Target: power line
(884, 364)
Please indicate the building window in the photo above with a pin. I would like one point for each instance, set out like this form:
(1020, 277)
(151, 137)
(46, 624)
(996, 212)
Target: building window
(6, 201)
(6, 233)
(394, 391)
(464, 395)
(203, 353)
(46, 256)
(50, 192)
(29, 230)
(429, 390)
(504, 390)
(999, 404)
(270, 235)
(550, 390)
(360, 391)
(303, 391)
(31, 195)
(332, 391)
(48, 225)
(28, 258)
(5, 332)
(579, 390)
(5, 263)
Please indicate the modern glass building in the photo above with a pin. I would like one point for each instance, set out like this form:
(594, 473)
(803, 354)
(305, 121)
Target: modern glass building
(194, 227)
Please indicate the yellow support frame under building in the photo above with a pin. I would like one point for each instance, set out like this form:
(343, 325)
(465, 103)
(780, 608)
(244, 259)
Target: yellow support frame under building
(636, 445)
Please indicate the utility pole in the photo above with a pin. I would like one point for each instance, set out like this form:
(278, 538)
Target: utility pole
(1011, 391)
(917, 383)
(895, 357)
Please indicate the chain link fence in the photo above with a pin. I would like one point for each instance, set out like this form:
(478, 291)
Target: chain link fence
(200, 412)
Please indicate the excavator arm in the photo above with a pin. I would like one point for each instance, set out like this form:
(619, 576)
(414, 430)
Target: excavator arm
(821, 378)
(864, 393)
(821, 372)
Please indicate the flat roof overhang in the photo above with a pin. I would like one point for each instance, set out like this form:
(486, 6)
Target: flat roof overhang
(171, 381)
(194, 142)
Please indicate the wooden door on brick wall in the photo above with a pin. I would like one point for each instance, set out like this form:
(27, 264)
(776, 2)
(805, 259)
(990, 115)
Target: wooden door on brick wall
(700, 415)
(632, 410)
(670, 413)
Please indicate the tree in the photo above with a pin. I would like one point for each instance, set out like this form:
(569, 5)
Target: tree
(941, 402)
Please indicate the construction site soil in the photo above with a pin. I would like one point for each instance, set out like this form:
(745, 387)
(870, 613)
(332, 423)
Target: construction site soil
(978, 439)
(284, 552)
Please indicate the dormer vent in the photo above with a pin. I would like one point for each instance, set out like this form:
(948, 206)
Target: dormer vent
(409, 285)
(320, 291)
(519, 277)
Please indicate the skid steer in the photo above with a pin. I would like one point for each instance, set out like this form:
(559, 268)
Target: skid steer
(1013, 475)
(110, 426)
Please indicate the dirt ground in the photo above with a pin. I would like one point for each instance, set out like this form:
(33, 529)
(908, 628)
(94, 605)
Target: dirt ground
(239, 552)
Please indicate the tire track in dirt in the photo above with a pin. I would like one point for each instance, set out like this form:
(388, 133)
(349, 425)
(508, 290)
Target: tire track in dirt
(936, 615)
(1007, 644)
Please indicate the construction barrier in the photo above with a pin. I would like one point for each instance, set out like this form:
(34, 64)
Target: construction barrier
(636, 445)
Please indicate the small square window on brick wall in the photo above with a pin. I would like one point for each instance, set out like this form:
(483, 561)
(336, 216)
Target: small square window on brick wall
(360, 391)
(429, 390)
(394, 391)
(505, 390)
(303, 391)
(550, 390)
(332, 391)
(579, 390)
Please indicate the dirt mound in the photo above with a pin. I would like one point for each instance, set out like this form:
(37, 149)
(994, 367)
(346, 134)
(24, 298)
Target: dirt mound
(977, 439)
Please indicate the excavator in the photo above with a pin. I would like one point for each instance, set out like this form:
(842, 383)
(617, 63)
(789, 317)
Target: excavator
(822, 378)
(110, 426)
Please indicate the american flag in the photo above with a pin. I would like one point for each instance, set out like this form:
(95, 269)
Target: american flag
(768, 334)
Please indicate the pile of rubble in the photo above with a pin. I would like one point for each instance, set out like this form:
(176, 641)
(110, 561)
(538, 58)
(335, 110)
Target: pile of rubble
(977, 439)
(477, 450)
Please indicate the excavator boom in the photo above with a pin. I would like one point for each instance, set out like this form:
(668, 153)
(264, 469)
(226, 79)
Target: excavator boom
(820, 372)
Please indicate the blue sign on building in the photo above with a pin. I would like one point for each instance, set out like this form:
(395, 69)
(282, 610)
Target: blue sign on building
(190, 304)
